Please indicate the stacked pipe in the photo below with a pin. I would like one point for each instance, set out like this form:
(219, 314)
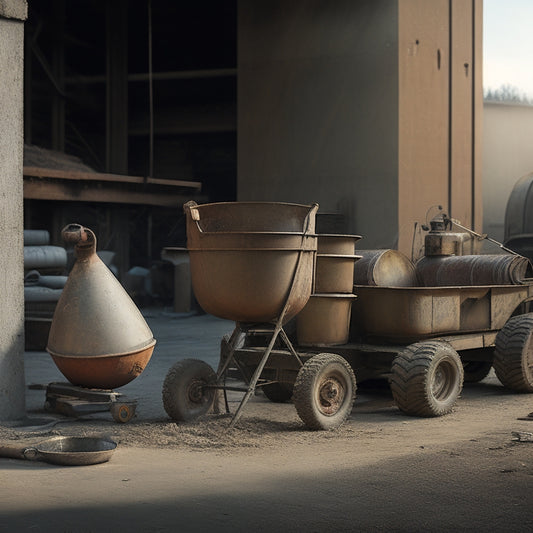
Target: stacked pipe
(44, 266)
(325, 320)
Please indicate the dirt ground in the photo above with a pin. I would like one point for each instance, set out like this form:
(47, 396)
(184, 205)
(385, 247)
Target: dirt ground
(381, 471)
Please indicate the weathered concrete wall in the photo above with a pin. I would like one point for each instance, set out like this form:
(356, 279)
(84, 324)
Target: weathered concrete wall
(318, 109)
(370, 108)
(12, 386)
(440, 95)
(507, 156)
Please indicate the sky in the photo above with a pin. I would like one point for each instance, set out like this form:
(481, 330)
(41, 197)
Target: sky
(508, 44)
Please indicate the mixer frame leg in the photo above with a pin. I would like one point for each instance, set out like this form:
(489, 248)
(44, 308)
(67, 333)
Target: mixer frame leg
(276, 332)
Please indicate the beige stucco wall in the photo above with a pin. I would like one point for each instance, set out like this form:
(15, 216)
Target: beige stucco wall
(507, 156)
(12, 386)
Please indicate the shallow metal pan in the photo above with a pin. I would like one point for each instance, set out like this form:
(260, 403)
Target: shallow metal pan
(68, 451)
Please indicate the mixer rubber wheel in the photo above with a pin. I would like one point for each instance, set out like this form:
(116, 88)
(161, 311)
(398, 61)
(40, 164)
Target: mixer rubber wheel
(427, 379)
(278, 392)
(185, 395)
(324, 391)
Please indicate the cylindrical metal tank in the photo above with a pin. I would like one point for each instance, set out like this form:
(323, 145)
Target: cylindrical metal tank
(385, 268)
(466, 270)
(336, 243)
(519, 217)
(325, 320)
(519, 210)
(334, 273)
(98, 338)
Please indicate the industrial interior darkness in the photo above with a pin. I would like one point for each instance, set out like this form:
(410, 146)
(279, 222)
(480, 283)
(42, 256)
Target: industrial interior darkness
(144, 88)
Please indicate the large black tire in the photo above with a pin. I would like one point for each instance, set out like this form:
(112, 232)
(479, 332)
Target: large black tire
(513, 357)
(324, 391)
(427, 379)
(185, 396)
(476, 371)
(278, 392)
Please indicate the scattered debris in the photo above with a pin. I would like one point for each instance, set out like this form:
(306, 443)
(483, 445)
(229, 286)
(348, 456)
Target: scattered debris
(522, 436)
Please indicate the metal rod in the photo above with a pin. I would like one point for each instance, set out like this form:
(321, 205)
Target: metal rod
(483, 237)
(289, 345)
(277, 330)
(255, 377)
(225, 387)
(151, 92)
(224, 364)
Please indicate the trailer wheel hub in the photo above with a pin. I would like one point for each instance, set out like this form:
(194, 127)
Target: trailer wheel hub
(442, 381)
(331, 396)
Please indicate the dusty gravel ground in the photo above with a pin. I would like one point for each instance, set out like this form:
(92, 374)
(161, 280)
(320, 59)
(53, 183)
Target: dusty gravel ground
(381, 471)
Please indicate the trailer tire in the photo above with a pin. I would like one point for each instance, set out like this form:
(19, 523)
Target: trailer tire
(427, 379)
(513, 357)
(324, 391)
(184, 394)
(278, 392)
(476, 371)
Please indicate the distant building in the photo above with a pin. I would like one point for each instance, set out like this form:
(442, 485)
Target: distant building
(507, 156)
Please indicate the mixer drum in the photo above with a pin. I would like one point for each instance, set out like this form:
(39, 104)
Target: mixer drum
(98, 338)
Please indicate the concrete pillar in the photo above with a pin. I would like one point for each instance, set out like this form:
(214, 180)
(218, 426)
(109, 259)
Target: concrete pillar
(12, 385)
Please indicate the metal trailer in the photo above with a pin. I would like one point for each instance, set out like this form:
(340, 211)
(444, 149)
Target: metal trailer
(426, 341)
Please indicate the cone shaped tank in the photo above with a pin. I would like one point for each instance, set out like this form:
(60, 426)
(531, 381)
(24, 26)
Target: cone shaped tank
(98, 338)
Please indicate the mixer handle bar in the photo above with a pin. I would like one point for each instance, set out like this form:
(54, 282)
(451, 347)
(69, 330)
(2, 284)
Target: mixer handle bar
(310, 217)
(192, 207)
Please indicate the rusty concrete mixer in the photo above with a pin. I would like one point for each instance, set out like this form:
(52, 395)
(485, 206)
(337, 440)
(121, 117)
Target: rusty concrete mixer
(98, 338)
(253, 263)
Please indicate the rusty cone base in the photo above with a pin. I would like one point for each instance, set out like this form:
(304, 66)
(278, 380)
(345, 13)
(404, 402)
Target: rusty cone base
(98, 338)
(104, 372)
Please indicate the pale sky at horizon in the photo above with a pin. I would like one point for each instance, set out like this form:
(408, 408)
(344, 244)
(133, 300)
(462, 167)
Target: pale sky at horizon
(508, 44)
